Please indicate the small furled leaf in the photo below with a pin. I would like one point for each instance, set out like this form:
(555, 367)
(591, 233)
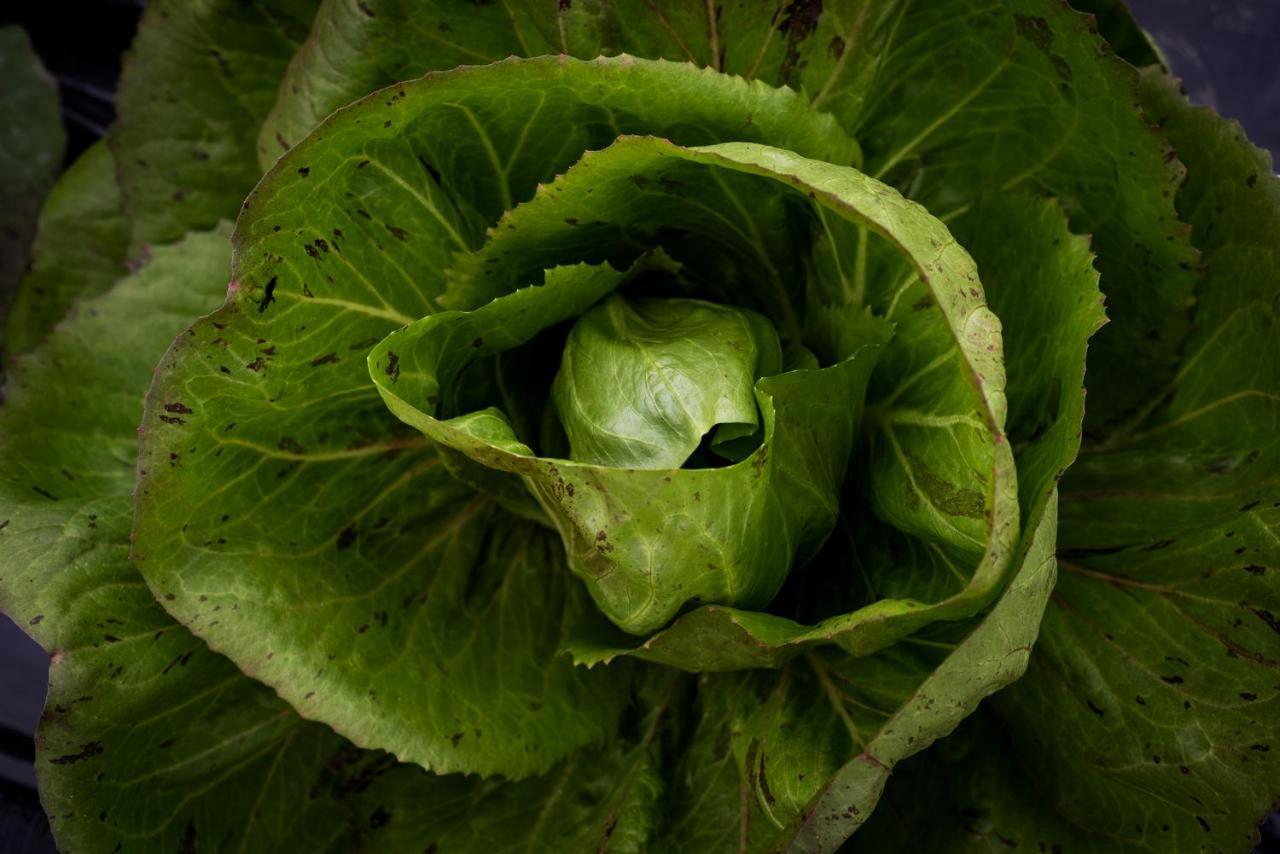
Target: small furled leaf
(195, 87)
(79, 250)
(31, 143)
(641, 382)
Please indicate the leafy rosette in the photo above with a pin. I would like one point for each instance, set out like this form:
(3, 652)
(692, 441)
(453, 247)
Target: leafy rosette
(638, 426)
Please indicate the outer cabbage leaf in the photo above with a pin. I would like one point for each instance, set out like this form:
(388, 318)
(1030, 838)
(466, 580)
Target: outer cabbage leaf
(143, 725)
(195, 87)
(1144, 720)
(335, 516)
(79, 250)
(30, 150)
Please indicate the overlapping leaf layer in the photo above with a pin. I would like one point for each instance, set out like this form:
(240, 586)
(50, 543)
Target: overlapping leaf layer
(371, 577)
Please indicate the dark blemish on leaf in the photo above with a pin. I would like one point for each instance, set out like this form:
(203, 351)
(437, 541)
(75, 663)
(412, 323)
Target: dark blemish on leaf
(1172, 680)
(570, 221)
(380, 816)
(431, 170)
(306, 291)
(1251, 181)
(923, 303)
(1260, 748)
(640, 181)
(87, 751)
(1248, 696)
(326, 359)
(304, 171)
(836, 47)
(187, 845)
(364, 213)
(1247, 507)
(456, 737)
(364, 627)
(381, 617)
(1158, 545)
(44, 492)
(398, 233)
(1097, 711)
(290, 445)
(1255, 569)
(478, 343)
(1071, 554)
(310, 250)
(172, 419)
(346, 537)
(1267, 617)
(1204, 824)
(1034, 29)
(177, 407)
(220, 59)
(799, 21)
(387, 123)
(257, 364)
(35, 621)
(393, 366)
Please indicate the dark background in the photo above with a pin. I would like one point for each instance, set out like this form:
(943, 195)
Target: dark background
(1225, 51)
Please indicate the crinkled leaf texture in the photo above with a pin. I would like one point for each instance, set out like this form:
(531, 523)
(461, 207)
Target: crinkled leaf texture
(327, 551)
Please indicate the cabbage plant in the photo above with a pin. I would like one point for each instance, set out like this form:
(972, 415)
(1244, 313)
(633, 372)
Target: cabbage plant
(648, 425)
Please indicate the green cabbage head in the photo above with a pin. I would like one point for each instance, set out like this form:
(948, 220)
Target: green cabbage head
(646, 425)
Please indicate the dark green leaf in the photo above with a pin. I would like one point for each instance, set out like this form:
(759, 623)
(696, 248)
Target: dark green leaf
(30, 150)
(78, 253)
